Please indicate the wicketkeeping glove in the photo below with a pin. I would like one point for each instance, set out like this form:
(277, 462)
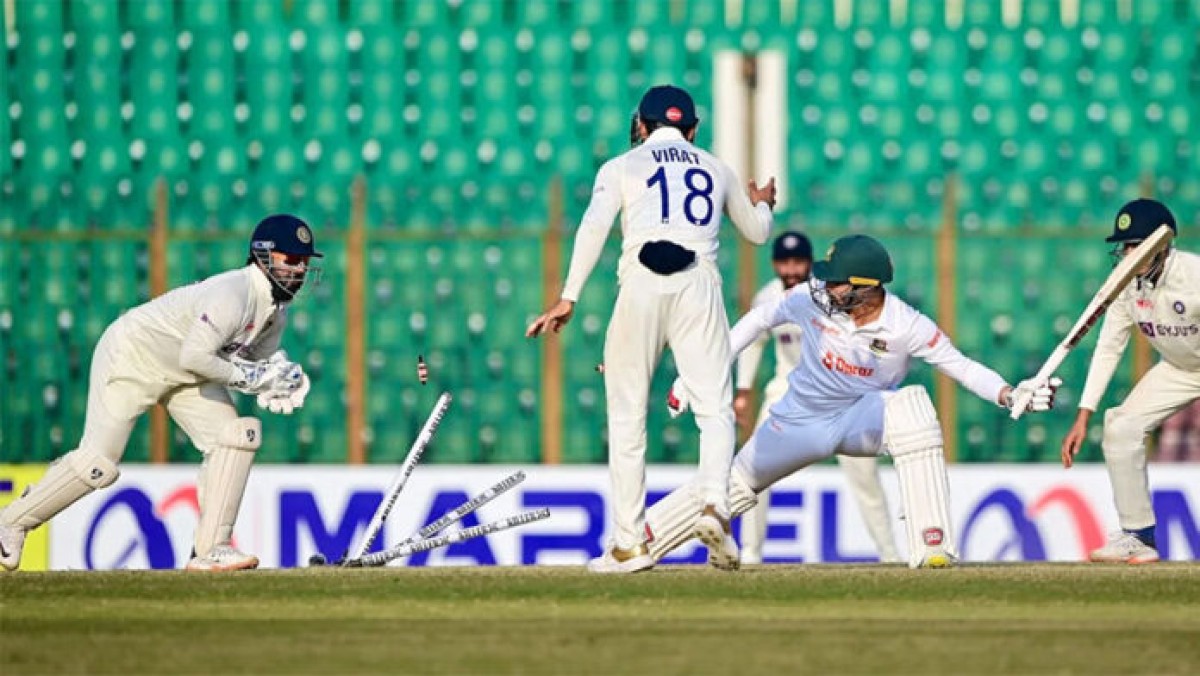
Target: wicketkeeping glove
(257, 377)
(284, 401)
(1041, 397)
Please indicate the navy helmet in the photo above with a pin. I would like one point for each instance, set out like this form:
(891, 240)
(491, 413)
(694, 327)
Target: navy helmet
(284, 233)
(288, 235)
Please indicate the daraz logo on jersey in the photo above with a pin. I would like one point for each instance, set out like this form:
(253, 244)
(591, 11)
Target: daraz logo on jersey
(835, 363)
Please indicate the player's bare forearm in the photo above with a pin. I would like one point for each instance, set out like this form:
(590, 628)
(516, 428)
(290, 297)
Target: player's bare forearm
(1075, 437)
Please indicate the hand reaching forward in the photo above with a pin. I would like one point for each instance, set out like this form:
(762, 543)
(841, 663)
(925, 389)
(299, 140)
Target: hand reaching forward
(551, 320)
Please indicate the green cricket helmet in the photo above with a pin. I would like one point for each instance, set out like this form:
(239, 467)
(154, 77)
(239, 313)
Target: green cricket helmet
(855, 259)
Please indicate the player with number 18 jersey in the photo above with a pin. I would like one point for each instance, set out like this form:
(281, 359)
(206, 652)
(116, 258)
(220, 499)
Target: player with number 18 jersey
(670, 195)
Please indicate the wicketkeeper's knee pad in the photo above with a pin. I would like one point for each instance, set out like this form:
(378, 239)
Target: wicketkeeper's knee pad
(914, 440)
(243, 434)
(94, 469)
(1124, 434)
(75, 475)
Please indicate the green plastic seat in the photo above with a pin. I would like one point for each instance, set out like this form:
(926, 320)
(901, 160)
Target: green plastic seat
(984, 15)
(325, 92)
(438, 92)
(873, 15)
(364, 13)
(205, 15)
(211, 82)
(153, 15)
(268, 63)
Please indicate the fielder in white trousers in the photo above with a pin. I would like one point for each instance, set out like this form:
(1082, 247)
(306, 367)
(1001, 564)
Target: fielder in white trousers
(670, 195)
(1163, 304)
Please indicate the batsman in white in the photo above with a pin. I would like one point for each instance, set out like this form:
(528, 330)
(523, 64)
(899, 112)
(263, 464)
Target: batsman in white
(184, 349)
(670, 195)
(1163, 302)
(857, 342)
(791, 258)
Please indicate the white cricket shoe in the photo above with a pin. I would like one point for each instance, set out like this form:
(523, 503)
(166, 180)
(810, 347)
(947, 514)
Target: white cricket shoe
(618, 560)
(1125, 547)
(713, 530)
(223, 558)
(12, 542)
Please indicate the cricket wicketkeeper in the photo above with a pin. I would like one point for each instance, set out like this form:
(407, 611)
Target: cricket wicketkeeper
(185, 350)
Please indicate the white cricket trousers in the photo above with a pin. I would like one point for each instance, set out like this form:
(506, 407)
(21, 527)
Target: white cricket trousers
(121, 388)
(780, 447)
(122, 384)
(685, 311)
(1164, 390)
(862, 477)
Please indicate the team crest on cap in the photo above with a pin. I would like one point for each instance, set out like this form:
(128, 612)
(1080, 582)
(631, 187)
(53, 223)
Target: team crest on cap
(791, 241)
(1124, 221)
(303, 234)
(674, 114)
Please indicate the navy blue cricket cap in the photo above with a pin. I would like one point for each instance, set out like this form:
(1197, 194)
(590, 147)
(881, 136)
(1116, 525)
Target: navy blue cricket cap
(1138, 219)
(791, 244)
(668, 105)
(283, 233)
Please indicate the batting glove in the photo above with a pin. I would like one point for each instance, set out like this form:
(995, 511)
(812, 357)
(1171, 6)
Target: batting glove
(1041, 394)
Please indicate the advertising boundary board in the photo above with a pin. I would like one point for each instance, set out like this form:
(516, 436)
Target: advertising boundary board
(1001, 513)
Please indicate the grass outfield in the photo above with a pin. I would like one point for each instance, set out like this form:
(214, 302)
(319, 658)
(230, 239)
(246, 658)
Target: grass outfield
(822, 619)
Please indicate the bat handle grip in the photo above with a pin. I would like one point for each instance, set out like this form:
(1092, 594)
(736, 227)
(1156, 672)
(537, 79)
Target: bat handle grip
(1019, 403)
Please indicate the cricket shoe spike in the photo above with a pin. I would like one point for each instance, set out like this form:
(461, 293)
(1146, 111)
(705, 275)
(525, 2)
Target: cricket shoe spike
(12, 541)
(1125, 547)
(714, 531)
(618, 560)
(223, 558)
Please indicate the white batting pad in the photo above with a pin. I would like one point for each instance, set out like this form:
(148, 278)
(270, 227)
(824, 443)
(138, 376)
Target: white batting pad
(222, 481)
(670, 522)
(742, 498)
(914, 440)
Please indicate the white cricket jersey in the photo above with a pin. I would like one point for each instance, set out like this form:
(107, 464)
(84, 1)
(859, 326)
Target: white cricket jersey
(787, 343)
(664, 189)
(1168, 314)
(840, 362)
(188, 335)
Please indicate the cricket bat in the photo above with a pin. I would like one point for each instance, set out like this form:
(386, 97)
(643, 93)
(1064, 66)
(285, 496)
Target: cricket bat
(1117, 280)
